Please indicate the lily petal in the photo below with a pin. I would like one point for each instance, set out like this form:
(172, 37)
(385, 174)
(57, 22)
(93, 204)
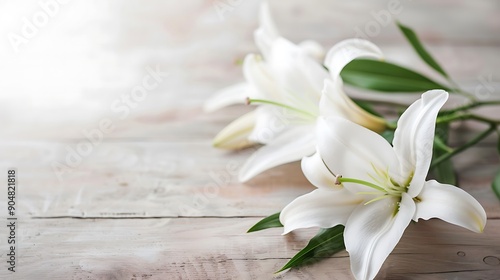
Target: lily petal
(334, 99)
(319, 208)
(235, 94)
(289, 146)
(353, 151)
(317, 173)
(300, 76)
(372, 232)
(267, 31)
(335, 102)
(257, 74)
(235, 135)
(346, 51)
(414, 138)
(270, 121)
(450, 204)
(313, 49)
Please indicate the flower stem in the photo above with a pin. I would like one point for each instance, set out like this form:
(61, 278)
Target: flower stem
(472, 105)
(484, 119)
(462, 148)
(451, 117)
(466, 116)
(439, 144)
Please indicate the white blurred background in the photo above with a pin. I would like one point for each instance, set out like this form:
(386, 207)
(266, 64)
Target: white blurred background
(64, 63)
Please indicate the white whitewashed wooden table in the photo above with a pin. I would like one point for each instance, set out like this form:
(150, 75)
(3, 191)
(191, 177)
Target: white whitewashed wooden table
(151, 199)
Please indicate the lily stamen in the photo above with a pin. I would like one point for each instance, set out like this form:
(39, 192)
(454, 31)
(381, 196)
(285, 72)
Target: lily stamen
(269, 102)
(361, 182)
(337, 180)
(377, 199)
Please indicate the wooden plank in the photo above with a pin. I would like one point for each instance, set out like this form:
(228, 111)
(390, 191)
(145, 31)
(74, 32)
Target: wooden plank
(298, 20)
(148, 179)
(157, 179)
(214, 248)
(159, 117)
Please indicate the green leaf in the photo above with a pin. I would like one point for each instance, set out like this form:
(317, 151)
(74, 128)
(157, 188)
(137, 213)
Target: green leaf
(367, 107)
(496, 184)
(386, 77)
(325, 243)
(268, 222)
(411, 36)
(388, 135)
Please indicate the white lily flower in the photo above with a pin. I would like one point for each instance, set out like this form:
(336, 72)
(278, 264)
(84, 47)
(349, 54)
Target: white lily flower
(377, 188)
(292, 89)
(237, 134)
(264, 37)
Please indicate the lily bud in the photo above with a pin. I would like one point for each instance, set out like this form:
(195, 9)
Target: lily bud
(235, 135)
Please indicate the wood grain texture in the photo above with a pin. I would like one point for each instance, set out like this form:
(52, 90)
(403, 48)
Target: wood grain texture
(219, 248)
(152, 199)
(152, 179)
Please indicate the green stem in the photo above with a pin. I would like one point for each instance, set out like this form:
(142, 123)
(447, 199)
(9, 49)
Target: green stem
(466, 116)
(439, 144)
(452, 117)
(484, 119)
(472, 105)
(462, 148)
(263, 101)
(361, 182)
